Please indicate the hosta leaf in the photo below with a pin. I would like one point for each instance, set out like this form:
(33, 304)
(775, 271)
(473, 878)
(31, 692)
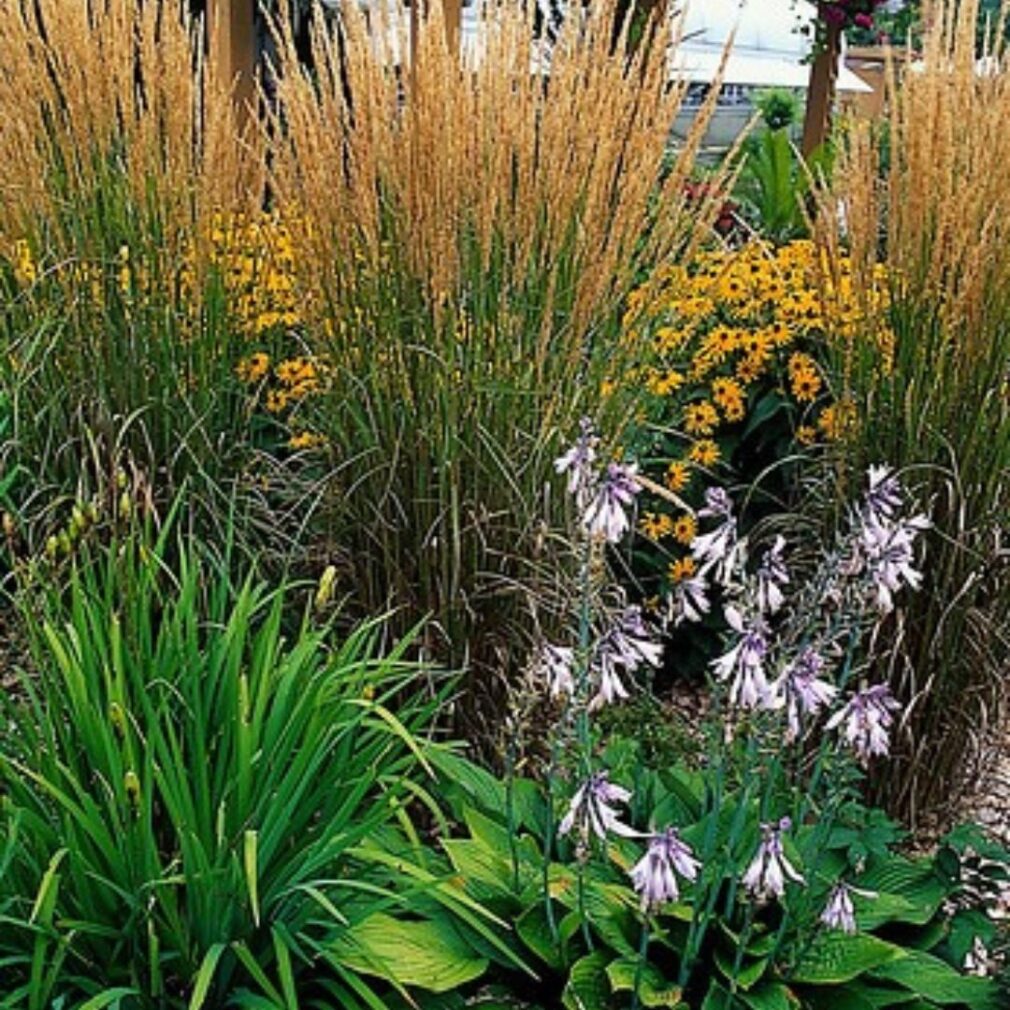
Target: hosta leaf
(535, 931)
(771, 996)
(653, 989)
(937, 981)
(833, 958)
(428, 954)
(913, 879)
(746, 975)
(588, 987)
(484, 873)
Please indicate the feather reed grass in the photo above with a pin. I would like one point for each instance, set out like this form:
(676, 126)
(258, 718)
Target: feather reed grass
(120, 148)
(474, 225)
(934, 397)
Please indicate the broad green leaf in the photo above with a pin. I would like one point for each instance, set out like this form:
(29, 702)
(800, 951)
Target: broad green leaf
(588, 986)
(937, 981)
(429, 954)
(746, 975)
(535, 931)
(835, 957)
(484, 873)
(653, 989)
(771, 996)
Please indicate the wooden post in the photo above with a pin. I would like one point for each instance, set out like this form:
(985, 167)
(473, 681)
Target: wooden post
(452, 11)
(232, 27)
(821, 91)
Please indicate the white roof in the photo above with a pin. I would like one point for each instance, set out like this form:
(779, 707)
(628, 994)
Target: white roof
(769, 49)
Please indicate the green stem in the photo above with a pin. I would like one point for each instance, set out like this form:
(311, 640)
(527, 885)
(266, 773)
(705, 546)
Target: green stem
(643, 952)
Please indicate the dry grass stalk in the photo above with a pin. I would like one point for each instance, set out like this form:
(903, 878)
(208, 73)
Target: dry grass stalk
(487, 146)
(89, 88)
(938, 218)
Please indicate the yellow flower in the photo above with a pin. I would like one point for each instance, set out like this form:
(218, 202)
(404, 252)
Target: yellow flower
(306, 440)
(295, 370)
(705, 452)
(719, 343)
(837, 419)
(277, 400)
(655, 526)
(678, 475)
(253, 368)
(799, 362)
(806, 434)
(700, 418)
(805, 385)
(729, 395)
(681, 569)
(664, 383)
(685, 528)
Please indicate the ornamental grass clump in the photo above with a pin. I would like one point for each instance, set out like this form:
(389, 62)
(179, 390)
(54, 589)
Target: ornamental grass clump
(470, 226)
(120, 321)
(934, 395)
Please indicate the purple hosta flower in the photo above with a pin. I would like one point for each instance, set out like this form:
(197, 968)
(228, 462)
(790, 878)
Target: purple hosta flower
(772, 574)
(887, 551)
(606, 515)
(579, 463)
(884, 495)
(654, 876)
(800, 689)
(744, 663)
(867, 719)
(555, 664)
(689, 600)
(839, 912)
(591, 812)
(625, 646)
(767, 874)
(720, 548)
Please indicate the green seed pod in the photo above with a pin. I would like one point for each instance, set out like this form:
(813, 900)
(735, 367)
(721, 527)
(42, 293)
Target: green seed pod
(52, 546)
(121, 480)
(118, 718)
(125, 505)
(91, 511)
(66, 544)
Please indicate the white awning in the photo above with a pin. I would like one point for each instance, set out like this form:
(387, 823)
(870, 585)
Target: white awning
(763, 68)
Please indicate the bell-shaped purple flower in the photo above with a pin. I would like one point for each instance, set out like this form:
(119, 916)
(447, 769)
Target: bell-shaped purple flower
(801, 691)
(689, 601)
(743, 665)
(866, 721)
(579, 463)
(654, 876)
(839, 912)
(770, 869)
(591, 810)
(555, 664)
(606, 515)
(772, 575)
(626, 645)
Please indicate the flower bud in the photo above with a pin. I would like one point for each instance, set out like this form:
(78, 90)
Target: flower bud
(125, 505)
(66, 544)
(132, 785)
(325, 591)
(52, 546)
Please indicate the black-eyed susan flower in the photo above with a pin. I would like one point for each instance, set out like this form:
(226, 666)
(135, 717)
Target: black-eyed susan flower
(682, 568)
(655, 525)
(700, 418)
(253, 368)
(685, 529)
(678, 475)
(705, 452)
